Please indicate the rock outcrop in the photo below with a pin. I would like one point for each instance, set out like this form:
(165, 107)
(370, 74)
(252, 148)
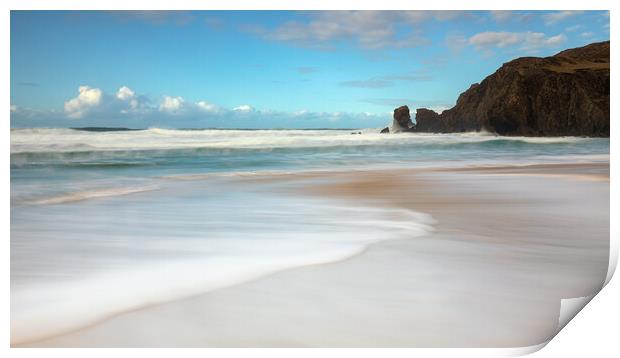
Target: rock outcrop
(562, 95)
(402, 120)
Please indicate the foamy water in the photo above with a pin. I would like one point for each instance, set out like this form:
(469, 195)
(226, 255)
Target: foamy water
(56, 165)
(68, 140)
(104, 222)
(100, 257)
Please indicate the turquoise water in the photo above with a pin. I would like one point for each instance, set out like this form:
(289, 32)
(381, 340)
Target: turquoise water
(67, 157)
(103, 222)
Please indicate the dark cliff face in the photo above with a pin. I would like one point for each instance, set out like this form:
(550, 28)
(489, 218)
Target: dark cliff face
(565, 94)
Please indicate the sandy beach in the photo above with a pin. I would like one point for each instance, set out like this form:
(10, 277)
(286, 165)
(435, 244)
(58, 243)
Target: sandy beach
(508, 243)
(272, 178)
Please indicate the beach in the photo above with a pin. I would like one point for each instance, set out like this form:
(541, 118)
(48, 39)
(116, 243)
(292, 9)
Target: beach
(495, 249)
(307, 179)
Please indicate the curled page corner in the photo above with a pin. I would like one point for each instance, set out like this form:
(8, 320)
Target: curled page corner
(613, 259)
(569, 307)
(523, 351)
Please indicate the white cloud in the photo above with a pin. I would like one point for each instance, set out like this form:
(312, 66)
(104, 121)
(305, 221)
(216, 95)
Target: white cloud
(456, 42)
(587, 34)
(495, 39)
(125, 94)
(574, 28)
(367, 29)
(87, 99)
(154, 17)
(389, 80)
(244, 109)
(537, 40)
(13, 108)
(208, 107)
(171, 104)
(526, 40)
(558, 16)
(501, 15)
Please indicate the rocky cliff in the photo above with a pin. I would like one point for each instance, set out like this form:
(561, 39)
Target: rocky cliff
(565, 94)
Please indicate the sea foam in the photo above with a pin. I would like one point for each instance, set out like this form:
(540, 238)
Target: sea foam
(91, 194)
(68, 140)
(98, 258)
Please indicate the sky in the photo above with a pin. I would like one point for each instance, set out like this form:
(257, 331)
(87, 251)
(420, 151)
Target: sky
(266, 69)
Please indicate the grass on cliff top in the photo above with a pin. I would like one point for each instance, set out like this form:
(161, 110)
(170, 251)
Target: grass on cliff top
(568, 67)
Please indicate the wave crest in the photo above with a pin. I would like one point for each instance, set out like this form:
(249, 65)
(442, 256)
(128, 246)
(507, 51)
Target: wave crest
(91, 194)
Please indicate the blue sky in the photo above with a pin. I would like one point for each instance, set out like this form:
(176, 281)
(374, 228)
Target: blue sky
(265, 69)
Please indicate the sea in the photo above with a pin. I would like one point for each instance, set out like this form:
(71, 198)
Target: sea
(104, 221)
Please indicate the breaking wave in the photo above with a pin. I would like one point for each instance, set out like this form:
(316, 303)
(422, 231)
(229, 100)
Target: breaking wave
(38, 140)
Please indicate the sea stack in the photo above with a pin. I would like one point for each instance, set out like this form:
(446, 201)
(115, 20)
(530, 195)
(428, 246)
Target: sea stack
(402, 120)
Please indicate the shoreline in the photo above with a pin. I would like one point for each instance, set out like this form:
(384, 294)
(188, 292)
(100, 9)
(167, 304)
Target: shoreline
(377, 129)
(433, 194)
(52, 337)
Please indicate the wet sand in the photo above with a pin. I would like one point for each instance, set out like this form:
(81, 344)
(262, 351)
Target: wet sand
(508, 244)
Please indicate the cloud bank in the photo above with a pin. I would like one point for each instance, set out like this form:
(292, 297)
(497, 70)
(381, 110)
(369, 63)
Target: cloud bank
(558, 16)
(492, 40)
(370, 30)
(126, 108)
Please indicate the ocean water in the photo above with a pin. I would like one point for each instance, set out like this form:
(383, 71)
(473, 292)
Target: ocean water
(107, 221)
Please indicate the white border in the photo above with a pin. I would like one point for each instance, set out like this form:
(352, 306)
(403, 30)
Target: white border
(310, 5)
(593, 331)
